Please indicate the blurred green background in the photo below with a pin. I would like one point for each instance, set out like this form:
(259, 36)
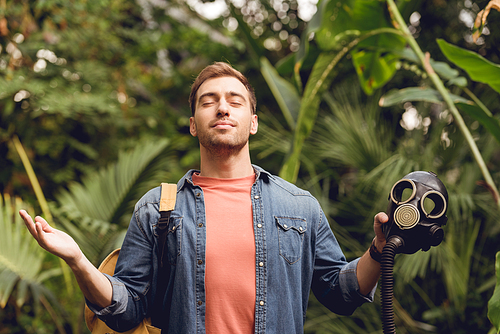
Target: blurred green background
(94, 112)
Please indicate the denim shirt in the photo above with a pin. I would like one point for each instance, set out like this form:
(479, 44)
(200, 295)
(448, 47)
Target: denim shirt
(295, 251)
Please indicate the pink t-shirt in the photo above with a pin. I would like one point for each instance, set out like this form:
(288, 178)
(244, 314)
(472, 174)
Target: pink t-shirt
(230, 255)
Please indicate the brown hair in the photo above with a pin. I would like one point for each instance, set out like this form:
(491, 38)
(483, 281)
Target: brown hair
(217, 70)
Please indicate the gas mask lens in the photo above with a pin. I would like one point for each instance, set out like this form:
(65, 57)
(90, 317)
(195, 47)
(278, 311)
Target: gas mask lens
(433, 204)
(417, 210)
(403, 191)
(406, 215)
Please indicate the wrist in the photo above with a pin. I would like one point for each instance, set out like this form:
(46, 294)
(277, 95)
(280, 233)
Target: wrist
(76, 261)
(374, 252)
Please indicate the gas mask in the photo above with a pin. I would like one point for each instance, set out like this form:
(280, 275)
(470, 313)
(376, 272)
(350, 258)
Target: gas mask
(417, 210)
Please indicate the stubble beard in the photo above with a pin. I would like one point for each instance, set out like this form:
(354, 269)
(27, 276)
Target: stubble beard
(221, 144)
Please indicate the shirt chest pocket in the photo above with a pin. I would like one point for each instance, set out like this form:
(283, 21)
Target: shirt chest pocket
(173, 242)
(291, 236)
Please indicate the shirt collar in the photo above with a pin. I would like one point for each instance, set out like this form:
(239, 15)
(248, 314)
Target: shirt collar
(188, 177)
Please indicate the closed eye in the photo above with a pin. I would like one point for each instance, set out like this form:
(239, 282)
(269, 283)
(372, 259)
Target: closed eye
(207, 99)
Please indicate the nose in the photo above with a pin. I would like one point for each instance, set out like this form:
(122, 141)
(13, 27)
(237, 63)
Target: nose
(223, 108)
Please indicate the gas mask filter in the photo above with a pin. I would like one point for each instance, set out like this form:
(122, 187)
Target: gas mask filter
(417, 211)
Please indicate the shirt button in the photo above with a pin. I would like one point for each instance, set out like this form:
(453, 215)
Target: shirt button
(256, 197)
(200, 262)
(300, 228)
(200, 225)
(198, 194)
(261, 264)
(285, 226)
(259, 225)
(261, 303)
(200, 302)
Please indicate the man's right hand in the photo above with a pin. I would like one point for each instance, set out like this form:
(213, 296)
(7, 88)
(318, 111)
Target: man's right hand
(51, 239)
(94, 285)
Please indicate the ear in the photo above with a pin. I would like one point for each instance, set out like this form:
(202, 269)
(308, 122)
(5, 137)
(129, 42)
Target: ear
(255, 124)
(192, 127)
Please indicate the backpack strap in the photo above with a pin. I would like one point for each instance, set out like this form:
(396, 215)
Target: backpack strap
(167, 204)
(168, 196)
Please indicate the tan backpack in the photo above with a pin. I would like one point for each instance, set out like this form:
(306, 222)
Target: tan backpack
(167, 204)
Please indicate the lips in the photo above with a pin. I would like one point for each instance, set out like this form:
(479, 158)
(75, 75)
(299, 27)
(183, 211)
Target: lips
(222, 125)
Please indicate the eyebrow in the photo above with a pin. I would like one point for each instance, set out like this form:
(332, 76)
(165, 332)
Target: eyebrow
(230, 93)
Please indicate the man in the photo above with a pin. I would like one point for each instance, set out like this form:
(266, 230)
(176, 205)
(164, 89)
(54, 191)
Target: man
(244, 247)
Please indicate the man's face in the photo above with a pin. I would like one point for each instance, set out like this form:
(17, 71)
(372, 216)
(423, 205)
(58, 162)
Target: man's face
(223, 120)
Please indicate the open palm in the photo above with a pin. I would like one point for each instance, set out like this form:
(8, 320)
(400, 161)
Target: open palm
(51, 239)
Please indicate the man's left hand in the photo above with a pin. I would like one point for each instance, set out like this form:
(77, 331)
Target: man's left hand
(380, 218)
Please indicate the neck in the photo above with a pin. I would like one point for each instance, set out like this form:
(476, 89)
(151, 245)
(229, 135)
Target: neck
(227, 165)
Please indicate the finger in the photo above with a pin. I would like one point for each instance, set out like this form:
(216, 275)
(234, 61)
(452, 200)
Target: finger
(25, 216)
(40, 233)
(42, 229)
(379, 219)
(43, 223)
(28, 221)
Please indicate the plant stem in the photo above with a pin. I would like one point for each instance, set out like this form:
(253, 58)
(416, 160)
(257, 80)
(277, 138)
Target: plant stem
(290, 169)
(477, 101)
(53, 314)
(33, 179)
(42, 201)
(396, 15)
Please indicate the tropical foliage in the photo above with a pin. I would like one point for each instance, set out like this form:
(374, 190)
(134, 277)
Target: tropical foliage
(350, 100)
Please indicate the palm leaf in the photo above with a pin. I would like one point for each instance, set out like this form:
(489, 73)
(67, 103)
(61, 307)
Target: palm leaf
(494, 302)
(101, 195)
(96, 238)
(272, 140)
(96, 212)
(20, 257)
(321, 320)
(348, 135)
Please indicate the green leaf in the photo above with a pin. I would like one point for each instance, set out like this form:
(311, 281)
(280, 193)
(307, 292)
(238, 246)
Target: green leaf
(427, 94)
(304, 53)
(443, 69)
(283, 91)
(102, 194)
(494, 302)
(318, 81)
(343, 136)
(458, 81)
(344, 21)
(95, 237)
(285, 65)
(313, 26)
(347, 19)
(21, 258)
(97, 210)
(479, 68)
(373, 70)
(491, 123)
(424, 94)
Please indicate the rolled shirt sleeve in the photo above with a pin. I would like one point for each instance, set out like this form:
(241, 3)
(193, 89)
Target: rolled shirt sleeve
(118, 301)
(349, 285)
